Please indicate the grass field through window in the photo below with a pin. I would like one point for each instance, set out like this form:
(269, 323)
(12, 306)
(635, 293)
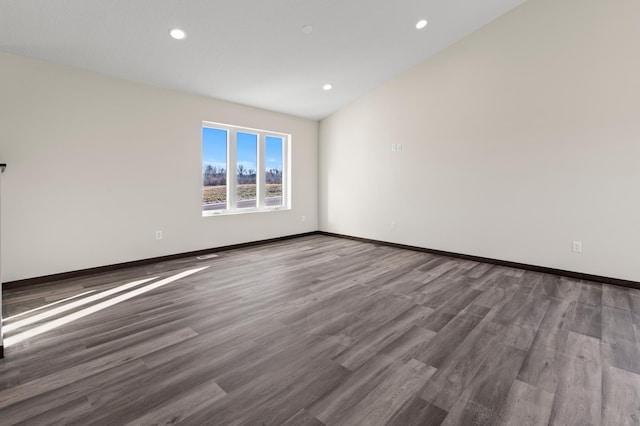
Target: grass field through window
(218, 194)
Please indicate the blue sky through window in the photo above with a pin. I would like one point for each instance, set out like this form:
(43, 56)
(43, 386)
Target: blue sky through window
(247, 150)
(273, 153)
(214, 149)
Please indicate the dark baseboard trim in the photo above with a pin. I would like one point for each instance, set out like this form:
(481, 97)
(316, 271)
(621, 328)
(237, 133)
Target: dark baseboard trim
(109, 268)
(1, 352)
(542, 269)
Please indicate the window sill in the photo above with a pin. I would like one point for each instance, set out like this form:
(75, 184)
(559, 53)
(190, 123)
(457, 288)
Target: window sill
(213, 213)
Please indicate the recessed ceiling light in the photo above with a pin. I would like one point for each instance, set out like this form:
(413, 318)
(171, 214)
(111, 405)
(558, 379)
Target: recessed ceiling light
(327, 86)
(421, 24)
(177, 34)
(307, 29)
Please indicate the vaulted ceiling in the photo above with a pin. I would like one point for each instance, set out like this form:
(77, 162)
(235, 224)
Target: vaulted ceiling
(272, 54)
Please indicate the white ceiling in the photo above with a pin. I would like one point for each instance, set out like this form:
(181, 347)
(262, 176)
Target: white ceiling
(251, 52)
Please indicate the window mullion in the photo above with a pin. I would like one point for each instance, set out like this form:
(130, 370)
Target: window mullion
(260, 172)
(286, 170)
(231, 170)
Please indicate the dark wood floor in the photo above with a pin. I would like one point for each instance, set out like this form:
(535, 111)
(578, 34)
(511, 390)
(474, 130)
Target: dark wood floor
(320, 330)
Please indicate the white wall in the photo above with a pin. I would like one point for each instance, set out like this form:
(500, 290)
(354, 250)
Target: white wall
(97, 165)
(516, 141)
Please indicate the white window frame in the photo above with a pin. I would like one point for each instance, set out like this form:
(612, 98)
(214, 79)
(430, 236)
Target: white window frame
(260, 170)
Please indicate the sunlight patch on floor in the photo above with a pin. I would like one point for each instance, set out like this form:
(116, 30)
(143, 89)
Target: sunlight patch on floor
(70, 306)
(12, 340)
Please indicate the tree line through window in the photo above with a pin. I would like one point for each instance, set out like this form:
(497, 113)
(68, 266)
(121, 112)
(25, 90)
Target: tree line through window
(243, 168)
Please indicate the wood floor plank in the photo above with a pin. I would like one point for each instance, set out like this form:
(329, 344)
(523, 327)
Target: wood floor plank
(272, 398)
(494, 379)
(456, 373)
(438, 319)
(303, 418)
(447, 340)
(552, 331)
(616, 323)
(335, 404)
(615, 297)
(319, 330)
(590, 293)
(24, 410)
(547, 286)
(291, 357)
(360, 352)
(469, 413)
(73, 373)
(281, 406)
(621, 394)
(379, 406)
(408, 344)
(153, 392)
(181, 406)
(578, 398)
(542, 368)
(61, 414)
(418, 412)
(482, 402)
(633, 300)
(622, 353)
(526, 405)
(587, 320)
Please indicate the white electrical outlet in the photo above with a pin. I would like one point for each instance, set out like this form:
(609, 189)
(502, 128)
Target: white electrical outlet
(158, 235)
(399, 147)
(393, 226)
(394, 147)
(577, 246)
(303, 218)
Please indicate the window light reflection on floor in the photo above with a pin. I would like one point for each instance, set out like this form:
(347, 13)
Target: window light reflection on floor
(55, 311)
(12, 340)
(41, 308)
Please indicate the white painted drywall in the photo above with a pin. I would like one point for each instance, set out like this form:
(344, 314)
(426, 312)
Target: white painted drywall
(518, 140)
(99, 164)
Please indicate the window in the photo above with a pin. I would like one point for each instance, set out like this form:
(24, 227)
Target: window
(274, 149)
(246, 170)
(243, 169)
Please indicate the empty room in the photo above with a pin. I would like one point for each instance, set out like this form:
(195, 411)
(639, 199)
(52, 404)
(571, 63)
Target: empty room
(320, 212)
